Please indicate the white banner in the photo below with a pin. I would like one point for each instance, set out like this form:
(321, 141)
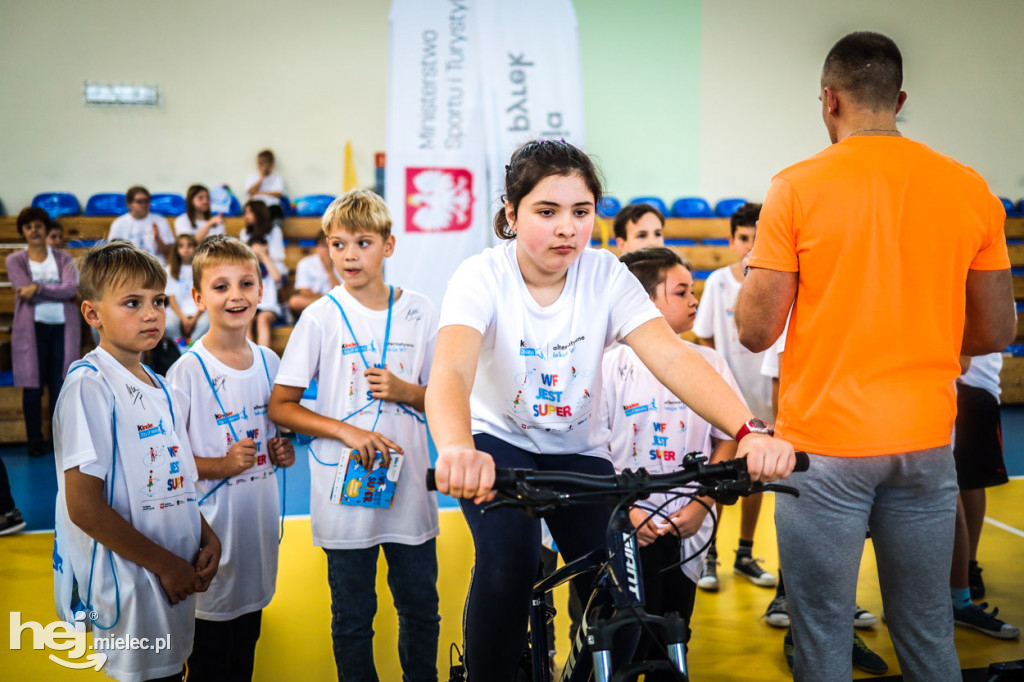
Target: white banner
(435, 179)
(468, 82)
(533, 87)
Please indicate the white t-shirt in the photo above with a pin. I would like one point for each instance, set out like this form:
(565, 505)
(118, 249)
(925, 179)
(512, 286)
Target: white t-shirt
(310, 274)
(243, 512)
(153, 479)
(181, 290)
(539, 371)
(275, 246)
(47, 312)
(321, 347)
(984, 373)
(770, 363)
(715, 320)
(271, 183)
(652, 429)
(268, 301)
(182, 225)
(140, 232)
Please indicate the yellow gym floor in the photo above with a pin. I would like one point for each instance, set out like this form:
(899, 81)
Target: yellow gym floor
(729, 641)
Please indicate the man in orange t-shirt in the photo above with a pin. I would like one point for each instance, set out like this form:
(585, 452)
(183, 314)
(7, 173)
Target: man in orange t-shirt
(894, 261)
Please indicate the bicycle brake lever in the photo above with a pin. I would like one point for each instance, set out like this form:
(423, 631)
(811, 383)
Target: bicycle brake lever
(779, 488)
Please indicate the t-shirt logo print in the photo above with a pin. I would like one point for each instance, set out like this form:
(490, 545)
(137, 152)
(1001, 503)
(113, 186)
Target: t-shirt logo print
(438, 199)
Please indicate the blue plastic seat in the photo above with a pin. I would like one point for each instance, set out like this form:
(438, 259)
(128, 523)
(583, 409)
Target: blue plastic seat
(106, 203)
(608, 207)
(1020, 207)
(652, 201)
(2, 211)
(169, 205)
(692, 207)
(1010, 207)
(313, 205)
(57, 204)
(726, 207)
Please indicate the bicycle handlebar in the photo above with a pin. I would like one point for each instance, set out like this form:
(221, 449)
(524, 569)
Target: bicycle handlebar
(627, 482)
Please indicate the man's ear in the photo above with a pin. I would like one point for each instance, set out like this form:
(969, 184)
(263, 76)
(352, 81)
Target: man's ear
(901, 100)
(91, 315)
(832, 101)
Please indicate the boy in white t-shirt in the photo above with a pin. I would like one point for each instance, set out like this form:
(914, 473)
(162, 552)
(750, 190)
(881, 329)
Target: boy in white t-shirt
(638, 226)
(716, 328)
(131, 545)
(314, 276)
(237, 450)
(148, 231)
(369, 345)
(265, 185)
(652, 429)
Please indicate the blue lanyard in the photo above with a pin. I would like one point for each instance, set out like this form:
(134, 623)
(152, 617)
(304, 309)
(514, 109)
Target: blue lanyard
(387, 330)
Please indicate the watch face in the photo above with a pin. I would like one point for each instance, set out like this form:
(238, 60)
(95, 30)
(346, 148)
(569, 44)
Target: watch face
(757, 424)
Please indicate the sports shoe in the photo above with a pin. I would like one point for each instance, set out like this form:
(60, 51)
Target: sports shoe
(11, 522)
(975, 616)
(974, 580)
(709, 574)
(787, 648)
(777, 614)
(747, 566)
(862, 618)
(867, 660)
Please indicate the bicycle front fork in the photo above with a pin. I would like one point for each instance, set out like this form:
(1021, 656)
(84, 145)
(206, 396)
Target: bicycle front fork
(671, 628)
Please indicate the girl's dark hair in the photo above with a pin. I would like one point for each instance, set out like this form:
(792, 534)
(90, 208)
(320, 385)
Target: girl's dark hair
(30, 214)
(174, 260)
(259, 231)
(535, 161)
(650, 264)
(190, 210)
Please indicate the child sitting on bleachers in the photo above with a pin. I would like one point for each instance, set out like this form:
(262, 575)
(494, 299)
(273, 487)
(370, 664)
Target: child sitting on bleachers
(267, 186)
(314, 276)
(197, 220)
(148, 231)
(183, 318)
(255, 233)
(638, 226)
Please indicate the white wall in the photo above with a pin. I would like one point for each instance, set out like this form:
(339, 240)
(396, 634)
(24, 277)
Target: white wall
(238, 75)
(761, 66)
(302, 77)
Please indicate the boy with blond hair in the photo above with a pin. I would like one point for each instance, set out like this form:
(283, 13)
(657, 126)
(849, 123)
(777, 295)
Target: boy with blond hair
(369, 345)
(228, 380)
(129, 531)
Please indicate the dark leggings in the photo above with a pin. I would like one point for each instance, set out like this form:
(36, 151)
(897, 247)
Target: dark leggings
(50, 358)
(507, 544)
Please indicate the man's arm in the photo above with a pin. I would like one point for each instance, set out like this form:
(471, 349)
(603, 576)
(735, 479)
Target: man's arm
(762, 307)
(990, 323)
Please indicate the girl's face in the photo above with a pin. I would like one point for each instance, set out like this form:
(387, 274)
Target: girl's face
(186, 250)
(552, 226)
(250, 217)
(674, 298)
(201, 202)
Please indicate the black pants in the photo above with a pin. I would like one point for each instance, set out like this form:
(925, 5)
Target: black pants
(6, 501)
(50, 356)
(224, 651)
(668, 592)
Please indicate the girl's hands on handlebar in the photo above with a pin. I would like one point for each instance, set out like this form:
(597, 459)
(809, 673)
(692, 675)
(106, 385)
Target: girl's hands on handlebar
(768, 458)
(465, 472)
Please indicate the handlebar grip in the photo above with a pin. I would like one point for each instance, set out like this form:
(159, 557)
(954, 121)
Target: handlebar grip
(431, 483)
(803, 462)
(503, 479)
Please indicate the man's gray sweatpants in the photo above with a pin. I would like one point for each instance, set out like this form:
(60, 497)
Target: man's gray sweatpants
(908, 501)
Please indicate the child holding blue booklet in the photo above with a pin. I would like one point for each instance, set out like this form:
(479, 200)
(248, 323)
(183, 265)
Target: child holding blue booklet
(369, 345)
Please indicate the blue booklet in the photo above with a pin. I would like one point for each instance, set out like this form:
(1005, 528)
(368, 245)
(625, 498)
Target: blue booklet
(355, 486)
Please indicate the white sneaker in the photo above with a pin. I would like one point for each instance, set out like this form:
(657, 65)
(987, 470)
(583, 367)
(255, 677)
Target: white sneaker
(862, 618)
(709, 574)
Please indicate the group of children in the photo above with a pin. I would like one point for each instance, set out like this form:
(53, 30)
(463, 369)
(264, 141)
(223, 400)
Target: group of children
(543, 355)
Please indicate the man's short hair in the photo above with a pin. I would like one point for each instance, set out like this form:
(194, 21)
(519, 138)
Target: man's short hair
(115, 263)
(358, 211)
(631, 214)
(217, 249)
(650, 264)
(129, 196)
(867, 66)
(744, 216)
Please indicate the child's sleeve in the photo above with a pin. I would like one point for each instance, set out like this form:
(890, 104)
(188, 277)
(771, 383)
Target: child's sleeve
(431, 341)
(85, 414)
(182, 406)
(470, 299)
(301, 361)
(630, 304)
(704, 323)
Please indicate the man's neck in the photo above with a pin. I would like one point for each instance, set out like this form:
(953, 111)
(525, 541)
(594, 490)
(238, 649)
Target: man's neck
(867, 124)
(230, 346)
(373, 295)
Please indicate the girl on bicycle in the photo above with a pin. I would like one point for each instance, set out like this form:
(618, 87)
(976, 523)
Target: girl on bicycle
(516, 382)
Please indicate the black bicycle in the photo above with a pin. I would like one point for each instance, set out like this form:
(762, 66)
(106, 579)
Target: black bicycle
(615, 611)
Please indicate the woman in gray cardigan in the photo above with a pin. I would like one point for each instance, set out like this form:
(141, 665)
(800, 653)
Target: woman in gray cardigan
(46, 335)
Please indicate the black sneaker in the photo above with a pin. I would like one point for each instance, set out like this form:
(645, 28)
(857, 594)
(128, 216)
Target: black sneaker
(749, 567)
(975, 616)
(974, 580)
(777, 614)
(867, 660)
(11, 522)
(36, 449)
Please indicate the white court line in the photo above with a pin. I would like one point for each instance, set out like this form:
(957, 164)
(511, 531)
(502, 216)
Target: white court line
(1008, 529)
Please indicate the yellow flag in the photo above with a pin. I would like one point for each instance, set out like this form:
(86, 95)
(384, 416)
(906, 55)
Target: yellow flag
(349, 183)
